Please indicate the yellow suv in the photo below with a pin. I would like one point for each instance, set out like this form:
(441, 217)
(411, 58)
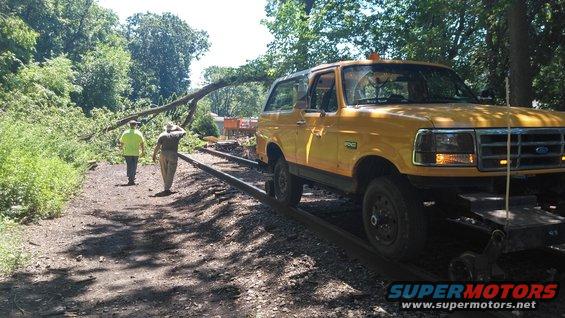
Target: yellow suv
(400, 134)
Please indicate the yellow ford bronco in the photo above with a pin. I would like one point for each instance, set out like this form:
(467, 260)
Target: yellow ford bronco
(398, 134)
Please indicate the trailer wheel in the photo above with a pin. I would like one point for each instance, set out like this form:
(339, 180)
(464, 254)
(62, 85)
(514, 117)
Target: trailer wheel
(288, 187)
(462, 268)
(393, 218)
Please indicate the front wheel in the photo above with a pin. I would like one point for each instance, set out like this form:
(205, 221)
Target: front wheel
(393, 218)
(288, 187)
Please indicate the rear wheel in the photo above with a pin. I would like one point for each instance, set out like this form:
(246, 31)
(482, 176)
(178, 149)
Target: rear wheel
(288, 187)
(393, 218)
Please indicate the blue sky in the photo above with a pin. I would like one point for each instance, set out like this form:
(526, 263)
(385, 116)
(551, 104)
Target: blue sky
(234, 27)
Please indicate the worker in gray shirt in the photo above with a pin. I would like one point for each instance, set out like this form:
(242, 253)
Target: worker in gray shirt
(168, 144)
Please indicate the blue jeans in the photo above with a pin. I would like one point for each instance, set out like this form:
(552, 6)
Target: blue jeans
(131, 162)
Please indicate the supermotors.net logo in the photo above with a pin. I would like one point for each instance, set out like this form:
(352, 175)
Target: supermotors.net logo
(471, 296)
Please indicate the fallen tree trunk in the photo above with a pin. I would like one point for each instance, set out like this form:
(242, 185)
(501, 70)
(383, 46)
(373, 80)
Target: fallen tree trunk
(191, 110)
(191, 98)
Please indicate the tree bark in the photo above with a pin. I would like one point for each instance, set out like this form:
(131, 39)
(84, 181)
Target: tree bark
(520, 67)
(191, 110)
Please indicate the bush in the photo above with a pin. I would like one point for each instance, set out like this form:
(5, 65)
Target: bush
(39, 170)
(204, 125)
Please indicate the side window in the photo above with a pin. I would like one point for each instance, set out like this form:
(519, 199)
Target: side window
(323, 93)
(286, 94)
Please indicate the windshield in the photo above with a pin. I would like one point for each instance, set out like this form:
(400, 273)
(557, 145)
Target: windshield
(381, 84)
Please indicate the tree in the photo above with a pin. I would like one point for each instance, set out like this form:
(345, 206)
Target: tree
(162, 49)
(104, 76)
(308, 32)
(520, 68)
(70, 27)
(17, 44)
(47, 83)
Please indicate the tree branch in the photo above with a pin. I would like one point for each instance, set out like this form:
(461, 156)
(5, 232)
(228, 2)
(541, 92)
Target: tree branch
(197, 95)
(192, 109)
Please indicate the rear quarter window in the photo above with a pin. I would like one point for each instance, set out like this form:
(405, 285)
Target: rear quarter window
(285, 94)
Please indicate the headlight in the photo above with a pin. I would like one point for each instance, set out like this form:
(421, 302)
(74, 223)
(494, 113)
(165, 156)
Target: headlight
(436, 147)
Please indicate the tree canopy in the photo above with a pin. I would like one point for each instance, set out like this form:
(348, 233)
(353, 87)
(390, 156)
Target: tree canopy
(472, 36)
(162, 49)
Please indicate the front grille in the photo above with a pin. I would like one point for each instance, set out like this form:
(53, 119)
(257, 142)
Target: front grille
(531, 148)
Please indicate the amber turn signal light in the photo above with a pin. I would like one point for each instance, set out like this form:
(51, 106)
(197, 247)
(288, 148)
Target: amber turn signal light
(444, 159)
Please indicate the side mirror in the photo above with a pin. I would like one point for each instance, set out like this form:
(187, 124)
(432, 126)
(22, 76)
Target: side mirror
(486, 96)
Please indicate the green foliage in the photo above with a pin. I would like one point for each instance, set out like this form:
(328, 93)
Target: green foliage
(17, 44)
(38, 83)
(39, 170)
(162, 48)
(203, 124)
(104, 77)
(70, 27)
(550, 87)
(16, 36)
(244, 100)
(250, 142)
(11, 252)
(41, 157)
(308, 32)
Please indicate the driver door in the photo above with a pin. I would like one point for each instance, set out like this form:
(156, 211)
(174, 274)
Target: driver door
(317, 129)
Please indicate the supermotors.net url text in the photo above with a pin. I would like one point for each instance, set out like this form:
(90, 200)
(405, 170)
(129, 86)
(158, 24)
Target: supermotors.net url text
(474, 305)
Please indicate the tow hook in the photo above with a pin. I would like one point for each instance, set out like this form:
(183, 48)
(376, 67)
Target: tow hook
(471, 266)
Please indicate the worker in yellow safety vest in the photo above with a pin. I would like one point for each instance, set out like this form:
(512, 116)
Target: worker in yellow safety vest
(132, 143)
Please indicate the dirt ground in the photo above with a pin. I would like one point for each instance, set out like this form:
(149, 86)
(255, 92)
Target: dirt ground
(204, 251)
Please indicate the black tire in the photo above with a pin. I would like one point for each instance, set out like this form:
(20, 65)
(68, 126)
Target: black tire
(270, 188)
(393, 218)
(288, 187)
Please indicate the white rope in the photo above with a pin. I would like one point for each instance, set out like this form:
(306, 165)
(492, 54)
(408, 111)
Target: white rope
(508, 156)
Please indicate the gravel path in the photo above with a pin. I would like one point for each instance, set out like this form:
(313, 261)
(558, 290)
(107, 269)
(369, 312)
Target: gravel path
(204, 251)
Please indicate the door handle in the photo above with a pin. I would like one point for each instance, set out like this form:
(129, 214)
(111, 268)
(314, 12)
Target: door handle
(300, 122)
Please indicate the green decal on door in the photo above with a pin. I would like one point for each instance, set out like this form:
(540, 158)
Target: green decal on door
(350, 144)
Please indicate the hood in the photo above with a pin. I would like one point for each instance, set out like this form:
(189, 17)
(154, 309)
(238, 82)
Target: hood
(477, 116)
